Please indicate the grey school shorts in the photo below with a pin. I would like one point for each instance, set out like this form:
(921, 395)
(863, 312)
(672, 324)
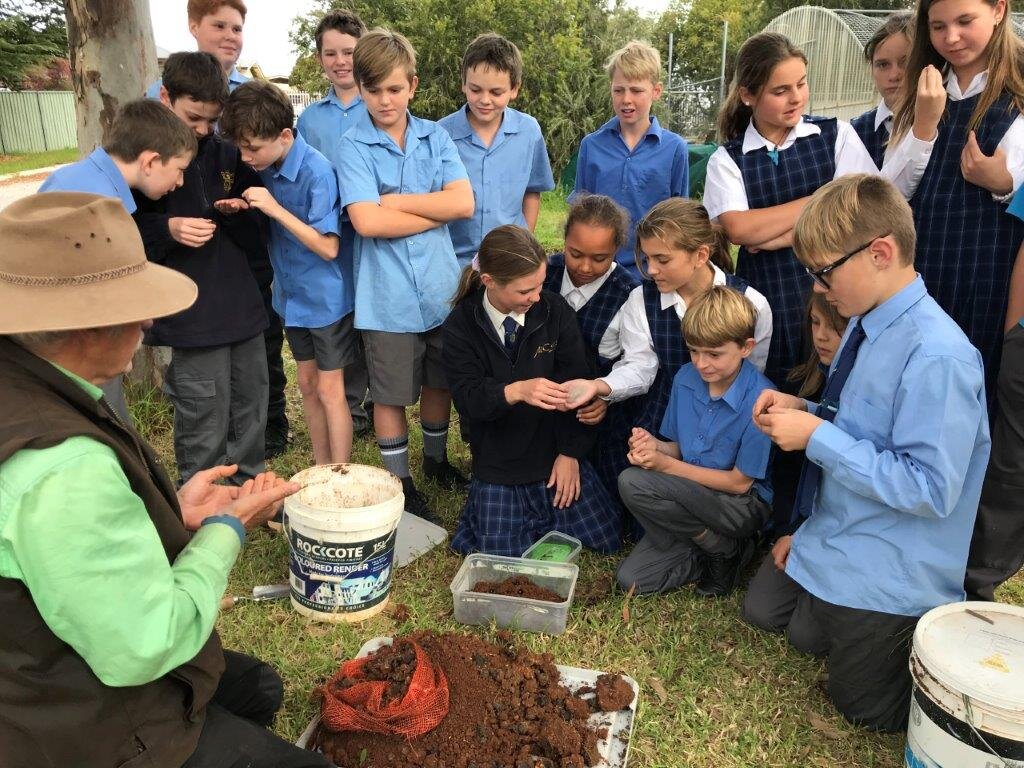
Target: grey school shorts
(400, 364)
(334, 346)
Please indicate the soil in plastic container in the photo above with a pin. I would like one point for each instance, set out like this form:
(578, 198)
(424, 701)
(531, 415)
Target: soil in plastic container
(507, 709)
(518, 586)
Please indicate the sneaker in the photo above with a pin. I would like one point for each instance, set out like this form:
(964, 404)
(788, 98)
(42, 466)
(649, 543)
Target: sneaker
(444, 474)
(722, 573)
(276, 523)
(416, 502)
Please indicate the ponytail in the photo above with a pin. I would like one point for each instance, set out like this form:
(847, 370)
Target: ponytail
(469, 282)
(721, 249)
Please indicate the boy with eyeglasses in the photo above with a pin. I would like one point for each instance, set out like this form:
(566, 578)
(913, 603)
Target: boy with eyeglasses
(896, 454)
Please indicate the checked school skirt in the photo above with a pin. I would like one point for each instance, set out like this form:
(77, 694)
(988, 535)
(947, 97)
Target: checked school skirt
(507, 519)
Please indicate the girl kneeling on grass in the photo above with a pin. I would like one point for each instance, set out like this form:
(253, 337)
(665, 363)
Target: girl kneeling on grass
(508, 346)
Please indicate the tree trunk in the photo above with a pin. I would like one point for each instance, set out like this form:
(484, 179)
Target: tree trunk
(113, 60)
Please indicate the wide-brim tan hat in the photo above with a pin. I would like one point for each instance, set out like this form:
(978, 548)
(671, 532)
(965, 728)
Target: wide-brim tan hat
(71, 260)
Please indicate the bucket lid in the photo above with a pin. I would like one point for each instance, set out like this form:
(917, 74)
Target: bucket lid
(976, 648)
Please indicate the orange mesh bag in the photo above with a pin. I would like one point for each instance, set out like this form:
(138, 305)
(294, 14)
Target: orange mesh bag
(355, 701)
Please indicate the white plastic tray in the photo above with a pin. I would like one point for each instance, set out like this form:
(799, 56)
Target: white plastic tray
(614, 748)
(415, 537)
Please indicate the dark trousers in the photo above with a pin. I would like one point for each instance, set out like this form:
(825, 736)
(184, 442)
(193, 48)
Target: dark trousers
(868, 651)
(357, 382)
(673, 512)
(235, 733)
(220, 403)
(997, 548)
(273, 338)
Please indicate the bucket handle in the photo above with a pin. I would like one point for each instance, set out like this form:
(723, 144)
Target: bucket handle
(319, 577)
(970, 724)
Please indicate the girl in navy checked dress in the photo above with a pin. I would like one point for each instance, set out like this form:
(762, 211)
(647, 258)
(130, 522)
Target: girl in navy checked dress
(681, 254)
(588, 278)
(772, 159)
(886, 52)
(508, 347)
(966, 242)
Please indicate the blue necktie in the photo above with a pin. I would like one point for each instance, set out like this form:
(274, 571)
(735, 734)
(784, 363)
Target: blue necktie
(511, 335)
(810, 473)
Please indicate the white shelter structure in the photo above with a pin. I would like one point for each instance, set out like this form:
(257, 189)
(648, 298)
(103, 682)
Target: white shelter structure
(838, 76)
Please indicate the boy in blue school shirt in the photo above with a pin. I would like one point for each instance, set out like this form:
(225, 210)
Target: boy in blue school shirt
(701, 497)
(503, 149)
(403, 181)
(148, 149)
(631, 158)
(312, 278)
(322, 124)
(217, 27)
(896, 454)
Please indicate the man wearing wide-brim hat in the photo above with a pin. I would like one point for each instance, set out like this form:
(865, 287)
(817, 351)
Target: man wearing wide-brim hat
(110, 579)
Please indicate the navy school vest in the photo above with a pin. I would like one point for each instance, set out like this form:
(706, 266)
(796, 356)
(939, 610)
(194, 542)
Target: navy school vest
(874, 140)
(802, 168)
(966, 242)
(595, 316)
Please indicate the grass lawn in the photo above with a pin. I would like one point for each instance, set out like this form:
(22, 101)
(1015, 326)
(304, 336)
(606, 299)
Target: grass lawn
(714, 692)
(17, 163)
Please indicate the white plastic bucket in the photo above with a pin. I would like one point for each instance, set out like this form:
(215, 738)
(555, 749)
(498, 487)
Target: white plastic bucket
(967, 707)
(341, 533)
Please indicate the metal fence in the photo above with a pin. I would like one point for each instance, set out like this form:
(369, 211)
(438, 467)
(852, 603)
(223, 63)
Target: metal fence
(693, 108)
(36, 121)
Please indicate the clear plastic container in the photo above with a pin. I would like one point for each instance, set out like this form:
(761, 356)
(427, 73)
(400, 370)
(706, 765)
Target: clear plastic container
(555, 547)
(514, 612)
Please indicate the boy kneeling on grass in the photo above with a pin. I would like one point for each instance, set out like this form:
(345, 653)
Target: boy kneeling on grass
(702, 497)
(896, 454)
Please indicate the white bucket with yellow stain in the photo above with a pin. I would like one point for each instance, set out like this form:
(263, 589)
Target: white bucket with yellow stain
(967, 709)
(341, 533)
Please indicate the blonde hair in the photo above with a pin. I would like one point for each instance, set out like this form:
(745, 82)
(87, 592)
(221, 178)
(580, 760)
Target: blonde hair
(808, 373)
(378, 53)
(1004, 62)
(684, 224)
(718, 316)
(636, 60)
(506, 253)
(756, 59)
(844, 212)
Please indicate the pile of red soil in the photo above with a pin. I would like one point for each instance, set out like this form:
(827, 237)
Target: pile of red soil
(518, 586)
(507, 709)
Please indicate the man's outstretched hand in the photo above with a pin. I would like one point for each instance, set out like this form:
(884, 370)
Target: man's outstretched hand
(253, 503)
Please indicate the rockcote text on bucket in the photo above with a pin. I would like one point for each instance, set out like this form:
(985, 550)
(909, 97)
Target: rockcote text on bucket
(341, 532)
(968, 701)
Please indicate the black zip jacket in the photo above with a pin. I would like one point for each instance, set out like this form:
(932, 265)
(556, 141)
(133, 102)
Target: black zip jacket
(229, 308)
(515, 444)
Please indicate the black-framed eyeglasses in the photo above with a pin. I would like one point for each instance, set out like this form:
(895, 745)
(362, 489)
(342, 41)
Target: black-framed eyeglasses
(818, 275)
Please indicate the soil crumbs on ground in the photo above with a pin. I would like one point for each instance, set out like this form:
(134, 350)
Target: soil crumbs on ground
(507, 709)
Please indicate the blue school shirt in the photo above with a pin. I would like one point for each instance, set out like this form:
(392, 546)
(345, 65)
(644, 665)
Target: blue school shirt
(403, 284)
(235, 79)
(656, 169)
(96, 174)
(719, 432)
(309, 292)
(323, 122)
(501, 174)
(902, 466)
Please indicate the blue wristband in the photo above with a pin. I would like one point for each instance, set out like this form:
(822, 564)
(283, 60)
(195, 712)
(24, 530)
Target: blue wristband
(229, 520)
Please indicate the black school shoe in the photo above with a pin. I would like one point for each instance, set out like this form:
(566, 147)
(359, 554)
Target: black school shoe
(276, 440)
(416, 502)
(444, 474)
(722, 573)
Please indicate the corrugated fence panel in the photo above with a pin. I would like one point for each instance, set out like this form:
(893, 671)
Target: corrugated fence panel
(36, 121)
